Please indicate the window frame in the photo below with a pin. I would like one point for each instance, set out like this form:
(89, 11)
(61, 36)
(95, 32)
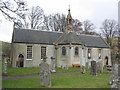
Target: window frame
(42, 54)
(63, 51)
(99, 53)
(76, 51)
(29, 51)
(89, 53)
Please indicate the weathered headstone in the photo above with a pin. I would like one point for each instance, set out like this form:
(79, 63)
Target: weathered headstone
(93, 68)
(82, 69)
(115, 77)
(45, 74)
(4, 65)
(53, 64)
(99, 66)
(66, 67)
(87, 65)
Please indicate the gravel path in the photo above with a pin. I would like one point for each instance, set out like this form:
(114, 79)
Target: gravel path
(34, 75)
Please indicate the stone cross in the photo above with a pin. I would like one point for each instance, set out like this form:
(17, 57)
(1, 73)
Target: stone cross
(4, 65)
(53, 64)
(93, 68)
(45, 74)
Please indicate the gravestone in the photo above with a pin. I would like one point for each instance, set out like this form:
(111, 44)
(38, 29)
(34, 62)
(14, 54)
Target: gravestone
(45, 74)
(82, 69)
(93, 68)
(4, 65)
(87, 65)
(99, 66)
(115, 76)
(66, 67)
(53, 65)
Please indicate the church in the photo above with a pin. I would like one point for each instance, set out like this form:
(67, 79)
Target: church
(30, 46)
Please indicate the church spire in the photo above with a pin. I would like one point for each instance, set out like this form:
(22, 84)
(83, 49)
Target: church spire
(69, 17)
(69, 21)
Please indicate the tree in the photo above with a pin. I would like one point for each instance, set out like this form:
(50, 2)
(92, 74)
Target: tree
(12, 9)
(88, 26)
(77, 26)
(55, 22)
(6, 48)
(109, 29)
(33, 18)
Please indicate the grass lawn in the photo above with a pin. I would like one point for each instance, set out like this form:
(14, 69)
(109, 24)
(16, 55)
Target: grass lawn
(74, 80)
(33, 70)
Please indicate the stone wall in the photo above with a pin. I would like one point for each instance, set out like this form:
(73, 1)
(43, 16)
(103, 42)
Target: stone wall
(70, 57)
(36, 51)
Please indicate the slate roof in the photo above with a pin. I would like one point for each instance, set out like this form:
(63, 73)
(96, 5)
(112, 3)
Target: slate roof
(68, 38)
(46, 37)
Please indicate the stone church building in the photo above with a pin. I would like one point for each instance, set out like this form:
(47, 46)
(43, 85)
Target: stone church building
(30, 46)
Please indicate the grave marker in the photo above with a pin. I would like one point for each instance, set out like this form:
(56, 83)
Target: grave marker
(45, 74)
(93, 68)
(4, 65)
(53, 64)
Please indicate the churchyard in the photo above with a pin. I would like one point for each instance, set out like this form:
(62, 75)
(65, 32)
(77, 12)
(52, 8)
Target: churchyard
(73, 80)
(63, 78)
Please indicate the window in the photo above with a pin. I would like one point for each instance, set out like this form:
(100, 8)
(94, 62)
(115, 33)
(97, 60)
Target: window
(89, 53)
(43, 52)
(63, 51)
(29, 52)
(99, 53)
(76, 51)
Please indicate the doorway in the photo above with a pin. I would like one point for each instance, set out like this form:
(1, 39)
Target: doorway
(20, 60)
(106, 60)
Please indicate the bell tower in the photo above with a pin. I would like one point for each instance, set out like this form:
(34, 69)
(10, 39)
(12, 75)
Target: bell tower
(69, 22)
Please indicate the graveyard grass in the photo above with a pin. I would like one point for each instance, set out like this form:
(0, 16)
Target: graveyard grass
(74, 80)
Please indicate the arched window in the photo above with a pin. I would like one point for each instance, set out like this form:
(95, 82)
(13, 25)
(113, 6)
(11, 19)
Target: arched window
(63, 51)
(76, 51)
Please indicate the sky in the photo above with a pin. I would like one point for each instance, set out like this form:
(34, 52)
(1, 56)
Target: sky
(94, 10)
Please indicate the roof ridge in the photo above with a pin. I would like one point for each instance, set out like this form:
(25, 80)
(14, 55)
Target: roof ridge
(37, 30)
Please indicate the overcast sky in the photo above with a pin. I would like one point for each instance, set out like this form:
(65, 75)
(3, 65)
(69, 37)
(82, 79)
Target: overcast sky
(94, 10)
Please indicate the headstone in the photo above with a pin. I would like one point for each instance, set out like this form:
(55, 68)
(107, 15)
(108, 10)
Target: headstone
(99, 66)
(17, 63)
(45, 74)
(93, 68)
(82, 69)
(53, 65)
(4, 65)
(66, 67)
(87, 65)
(115, 77)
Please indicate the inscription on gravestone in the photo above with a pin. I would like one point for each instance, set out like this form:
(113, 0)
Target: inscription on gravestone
(45, 74)
(93, 68)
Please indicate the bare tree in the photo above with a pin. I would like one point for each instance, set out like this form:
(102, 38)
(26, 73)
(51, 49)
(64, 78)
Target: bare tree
(33, 18)
(88, 26)
(109, 29)
(12, 9)
(77, 26)
(55, 22)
